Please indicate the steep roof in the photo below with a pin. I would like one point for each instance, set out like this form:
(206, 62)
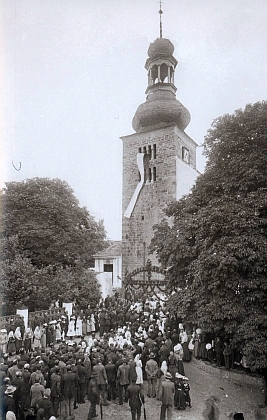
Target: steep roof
(114, 250)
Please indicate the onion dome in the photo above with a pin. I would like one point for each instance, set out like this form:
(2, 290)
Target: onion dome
(160, 112)
(160, 47)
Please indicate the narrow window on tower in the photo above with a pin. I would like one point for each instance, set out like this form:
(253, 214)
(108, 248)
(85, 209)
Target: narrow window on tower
(145, 174)
(185, 155)
(154, 174)
(149, 174)
(144, 149)
(140, 150)
(149, 151)
(154, 151)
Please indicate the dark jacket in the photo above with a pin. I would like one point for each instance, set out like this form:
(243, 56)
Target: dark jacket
(111, 372)
(136, 395)
(69, 385)
(46, 404)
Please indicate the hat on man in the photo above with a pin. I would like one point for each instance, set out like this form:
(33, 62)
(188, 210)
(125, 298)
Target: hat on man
(168, 375)
(10, 389)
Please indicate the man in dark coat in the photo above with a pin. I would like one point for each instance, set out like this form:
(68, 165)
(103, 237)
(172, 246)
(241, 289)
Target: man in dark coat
(111, 375)
(69, 385)
(102, 379)
(55, 381)
(123, 376)
(93, 395)
(45, 404)
(136, 399)
(9, 403)
(81, 382)
(167, 398)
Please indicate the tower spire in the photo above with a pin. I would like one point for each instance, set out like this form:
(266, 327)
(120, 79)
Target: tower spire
(160, 23)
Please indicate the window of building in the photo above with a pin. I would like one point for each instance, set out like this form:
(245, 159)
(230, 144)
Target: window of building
(149, 174)
(108, 268)
(185, 155)
(154, 151)
(154, 174)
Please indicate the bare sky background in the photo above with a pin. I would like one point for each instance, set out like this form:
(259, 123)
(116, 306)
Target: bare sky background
(73, 76)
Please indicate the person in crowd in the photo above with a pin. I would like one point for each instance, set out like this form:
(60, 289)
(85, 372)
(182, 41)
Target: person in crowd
(9, 401)
(123, 377)
(69, 385)
(138, 369)
(151, 369)
(93, 395)
(111, 377)
(167, 398)
(11, 346)
(81, 371)
(27, 339)
(37, 337)
(227, 355)
(136, 398)
(36, 392)
(18, 339)
(56, 385)
(102, 379)
(45, 404)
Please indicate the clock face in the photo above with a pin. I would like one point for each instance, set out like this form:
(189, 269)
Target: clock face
(131, 205)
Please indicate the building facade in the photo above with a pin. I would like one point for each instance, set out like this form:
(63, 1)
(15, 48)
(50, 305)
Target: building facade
(159, 159)
(108, 268)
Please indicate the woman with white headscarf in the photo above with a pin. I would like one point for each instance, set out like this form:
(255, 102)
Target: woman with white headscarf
(37, 337)
(18, 339)
(138, 369)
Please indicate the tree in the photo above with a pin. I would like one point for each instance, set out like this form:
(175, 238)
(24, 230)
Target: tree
(48, 243)
(216, 246)
(50, 225)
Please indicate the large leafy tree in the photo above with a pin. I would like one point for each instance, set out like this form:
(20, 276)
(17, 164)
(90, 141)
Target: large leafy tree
(216, 246)
(50, 224)
(48, 243)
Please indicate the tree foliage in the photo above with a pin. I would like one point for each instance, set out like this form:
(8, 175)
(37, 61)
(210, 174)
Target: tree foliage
(50, 225)
(216, 246)
(48, 243)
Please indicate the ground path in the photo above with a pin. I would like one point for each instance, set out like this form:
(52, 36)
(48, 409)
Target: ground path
(233, 398)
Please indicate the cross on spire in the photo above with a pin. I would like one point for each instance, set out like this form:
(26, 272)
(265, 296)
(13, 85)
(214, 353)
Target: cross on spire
(160, 23)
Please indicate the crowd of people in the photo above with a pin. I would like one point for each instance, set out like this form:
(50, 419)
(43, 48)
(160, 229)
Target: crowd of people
(47, 370)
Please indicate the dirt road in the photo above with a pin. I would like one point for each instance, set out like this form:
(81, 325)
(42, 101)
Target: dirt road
(233, 398)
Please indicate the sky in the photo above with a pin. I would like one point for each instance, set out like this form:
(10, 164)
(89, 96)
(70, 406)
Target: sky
(73, 76)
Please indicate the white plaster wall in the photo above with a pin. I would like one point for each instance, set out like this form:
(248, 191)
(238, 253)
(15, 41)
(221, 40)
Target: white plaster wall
(185, 178)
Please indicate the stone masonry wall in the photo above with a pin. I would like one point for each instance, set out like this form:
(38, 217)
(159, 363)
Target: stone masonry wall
(137, 231)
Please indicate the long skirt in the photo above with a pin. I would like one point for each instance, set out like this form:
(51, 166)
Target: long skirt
(18, 344)
(84, 328)
(27, 344)
(43, 340)
(186, 356)
(179, 399)
(196, 348)
(181, 367)
(11, 347)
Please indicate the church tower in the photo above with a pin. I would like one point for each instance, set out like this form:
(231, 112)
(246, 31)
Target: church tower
(159, 159)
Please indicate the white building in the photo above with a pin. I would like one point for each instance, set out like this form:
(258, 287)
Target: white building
(108, 267)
